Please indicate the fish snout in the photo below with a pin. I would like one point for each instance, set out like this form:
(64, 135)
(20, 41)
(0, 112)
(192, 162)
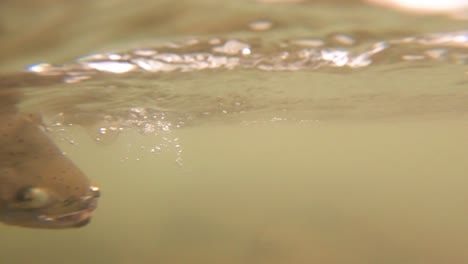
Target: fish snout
(77, 218)
(95, 192)
(91, 200)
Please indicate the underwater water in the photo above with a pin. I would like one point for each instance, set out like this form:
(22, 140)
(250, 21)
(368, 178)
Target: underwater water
(271, 132)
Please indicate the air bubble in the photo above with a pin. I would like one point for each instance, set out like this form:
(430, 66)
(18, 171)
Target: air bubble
(412, 57)
(344, 39)
(261, 25)
(231, 47)
(111, 66)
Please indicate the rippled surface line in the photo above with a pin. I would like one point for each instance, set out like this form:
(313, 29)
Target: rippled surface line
(291, 55)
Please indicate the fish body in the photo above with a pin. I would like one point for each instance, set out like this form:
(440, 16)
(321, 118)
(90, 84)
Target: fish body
(39, 186)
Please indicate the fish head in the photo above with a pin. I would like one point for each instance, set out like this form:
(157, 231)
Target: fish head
(39, 186)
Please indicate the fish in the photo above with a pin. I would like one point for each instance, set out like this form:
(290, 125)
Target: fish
(40, 187)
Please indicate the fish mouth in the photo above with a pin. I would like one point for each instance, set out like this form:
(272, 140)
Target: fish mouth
(77, 218)
(73, 219)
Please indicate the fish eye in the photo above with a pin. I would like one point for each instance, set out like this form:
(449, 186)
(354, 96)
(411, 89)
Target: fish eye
(32, 197)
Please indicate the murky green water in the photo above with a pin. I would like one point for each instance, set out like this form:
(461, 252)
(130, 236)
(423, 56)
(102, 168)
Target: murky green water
(335, 134)
(387, 192)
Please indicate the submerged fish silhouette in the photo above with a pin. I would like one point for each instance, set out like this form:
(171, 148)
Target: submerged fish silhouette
(39, 186)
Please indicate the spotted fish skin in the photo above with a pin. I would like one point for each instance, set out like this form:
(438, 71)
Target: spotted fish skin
(39, 186)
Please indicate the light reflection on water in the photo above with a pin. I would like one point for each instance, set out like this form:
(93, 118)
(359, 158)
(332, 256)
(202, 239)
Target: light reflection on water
(267, 138)
(289, 55)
